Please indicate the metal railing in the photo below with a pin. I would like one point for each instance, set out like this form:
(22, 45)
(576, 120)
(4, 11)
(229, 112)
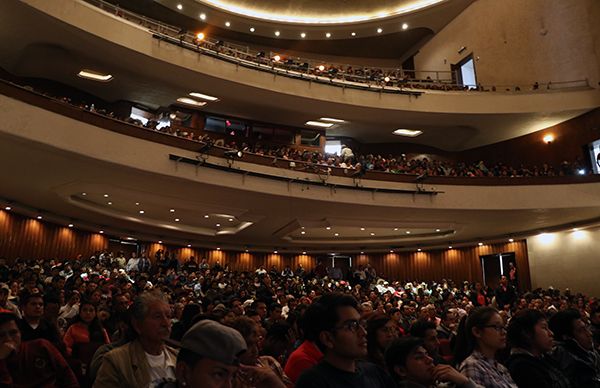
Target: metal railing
(381, 79)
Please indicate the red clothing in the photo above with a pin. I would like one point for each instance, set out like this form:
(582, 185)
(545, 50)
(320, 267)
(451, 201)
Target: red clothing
(78, 333)
(37, 364)
(305, 357)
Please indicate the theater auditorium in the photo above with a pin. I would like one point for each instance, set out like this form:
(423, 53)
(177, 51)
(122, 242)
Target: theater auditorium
(315, 193)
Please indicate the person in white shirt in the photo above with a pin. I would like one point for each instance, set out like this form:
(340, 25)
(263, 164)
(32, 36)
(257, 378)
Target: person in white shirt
(132, 264)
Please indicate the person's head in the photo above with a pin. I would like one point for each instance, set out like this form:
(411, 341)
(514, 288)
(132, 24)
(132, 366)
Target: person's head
(528, 329)
(407, 359)
(32, 305)
(568, 325)
(251, 332)
(260, 307)
(9, 330)
(381, 331)
(426, 330)
(87, 312)
(449, 318)
(333, 323)
(275, 312)
(595, 315)
(484, 328)
(209, 356)
(151, 317)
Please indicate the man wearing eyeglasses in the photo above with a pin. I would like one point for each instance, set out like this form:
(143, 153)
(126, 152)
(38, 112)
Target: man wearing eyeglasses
(333, 324)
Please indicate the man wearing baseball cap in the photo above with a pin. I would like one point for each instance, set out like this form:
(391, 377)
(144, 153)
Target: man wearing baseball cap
(209, 358)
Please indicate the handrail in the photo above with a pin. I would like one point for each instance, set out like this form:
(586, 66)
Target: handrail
(323, 172)
(380, 79)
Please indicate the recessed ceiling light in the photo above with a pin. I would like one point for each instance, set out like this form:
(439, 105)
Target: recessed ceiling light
(172, 210)
(7, 208)
(480, 244)
(336, 234)
(362, 228)
(94, 75)
(189, 245)
(328, 35)
(206, 216)
(218, 249)
(332, 120)
(408, 232)
(277, 58)
(274, 251)
(419, 250)
(304, 252)
(391, 251)
(303, 232)
(246, 251)
(160, 241)
(39, 217)
(407, 132)
(379, 30)
(218, 225)
(510, 240)
(227, 24)
(141, 212)
(372, 234)
(101, 232)
(353, 34)
(450, 247)
(318, 124)
(203, 16)
(321, 67)
(328, 228)
(277, 33)
(252, 29)
(200, 36)
(437, 230)
(203, 96)
(387, 79)
(404, 26)
(179, 7)
(230, 220)
(303, 35)
(137, 204)
(189, 101)
(176, 219)
(84, 194)
(395, 228)
(109, 203)
(548, 138)
(105, 195)
(70, 225)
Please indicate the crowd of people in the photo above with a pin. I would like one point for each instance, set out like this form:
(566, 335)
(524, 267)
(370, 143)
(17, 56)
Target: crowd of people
(107, 320)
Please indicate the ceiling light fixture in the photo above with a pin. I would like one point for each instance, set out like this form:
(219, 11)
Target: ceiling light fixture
(277, 33)
(230, 220)
(303, 232)
(218, 249)
(203, 96)
(252, 29)
(304, 252)
(176, 219)
(328, 228)
(548, 138)
(7, 208)
(336, 234)
(450, 247)
(277, 58)
(303, 35)
(200, 36)
(179, 7)
(101, 232)
(172, 210)
(206, 216)
(189, 245)
(511, 240)
(353, 34)
(141, 212)
(408, 232)
(362, 228)
(480, 244)
(218, 225)
(137, 204)
(419, 250)
(319, 124)
(202, 16)
(275, 252)
(328, 35)
(379, 30)
(105, 195)
(332, 120)
(84, 194)
(321, 68)
(70, 225)
(372, 234)
(160, 241)
(405, 26)
(407, 132)
(109, 203)
(94, 75)
(437, 230)
(189, 101)
(227, 24)
(39, 217)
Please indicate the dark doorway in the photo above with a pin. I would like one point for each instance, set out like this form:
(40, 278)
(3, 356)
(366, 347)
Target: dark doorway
(495, 266)
(340, 265)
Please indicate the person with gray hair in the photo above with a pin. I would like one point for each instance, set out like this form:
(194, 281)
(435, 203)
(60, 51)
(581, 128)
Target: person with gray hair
(146, 361)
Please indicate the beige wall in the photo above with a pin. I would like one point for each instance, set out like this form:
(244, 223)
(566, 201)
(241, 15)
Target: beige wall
(568, 259)
(520, 42)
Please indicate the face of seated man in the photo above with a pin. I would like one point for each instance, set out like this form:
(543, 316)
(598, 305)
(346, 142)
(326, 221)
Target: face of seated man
(207, 373)
(10, 339)
(155, 328)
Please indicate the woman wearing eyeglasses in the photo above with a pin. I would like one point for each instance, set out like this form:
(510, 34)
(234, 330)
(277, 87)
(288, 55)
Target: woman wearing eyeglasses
(481, 335)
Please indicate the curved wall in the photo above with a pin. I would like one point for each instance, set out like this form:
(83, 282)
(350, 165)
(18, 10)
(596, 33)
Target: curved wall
(519, 42)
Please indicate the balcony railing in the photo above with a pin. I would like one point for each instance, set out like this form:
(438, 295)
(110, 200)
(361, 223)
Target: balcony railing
(379, 79)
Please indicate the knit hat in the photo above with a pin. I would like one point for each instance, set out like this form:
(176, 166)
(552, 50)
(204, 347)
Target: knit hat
(213, 340)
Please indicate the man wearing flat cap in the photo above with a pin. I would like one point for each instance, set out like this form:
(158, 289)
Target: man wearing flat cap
(209, 358)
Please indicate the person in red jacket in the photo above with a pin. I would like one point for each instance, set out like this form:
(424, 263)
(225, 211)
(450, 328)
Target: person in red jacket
(35, 363)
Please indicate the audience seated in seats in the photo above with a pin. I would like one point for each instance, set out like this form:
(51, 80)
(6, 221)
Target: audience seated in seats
(33, 363)
(146, 361)
(33, 325)
(410, 366)
(482, 334)
(574, 352)
(341, 336)
(426, 330)
(85, 329)
(307, 354)
(5, 303)
(531, 340)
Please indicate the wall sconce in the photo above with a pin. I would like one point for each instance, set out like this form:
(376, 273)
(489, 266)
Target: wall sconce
(548, 138)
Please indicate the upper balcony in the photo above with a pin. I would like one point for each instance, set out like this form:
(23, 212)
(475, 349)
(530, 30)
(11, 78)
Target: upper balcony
(155, 72)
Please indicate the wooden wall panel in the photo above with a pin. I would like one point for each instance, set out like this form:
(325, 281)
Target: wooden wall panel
(29, 238)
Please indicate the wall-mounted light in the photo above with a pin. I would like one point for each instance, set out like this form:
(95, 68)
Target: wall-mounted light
(549, 138)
